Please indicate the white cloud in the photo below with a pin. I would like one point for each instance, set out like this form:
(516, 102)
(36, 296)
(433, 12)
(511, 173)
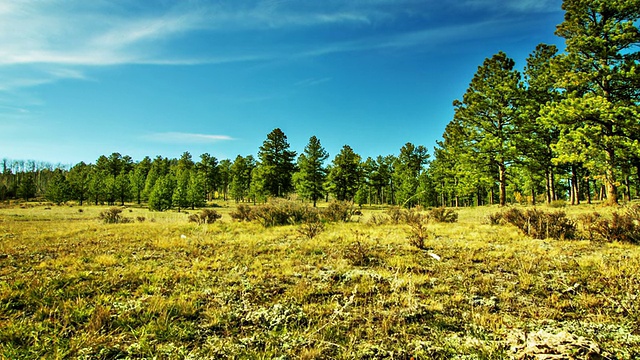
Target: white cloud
(185, 138)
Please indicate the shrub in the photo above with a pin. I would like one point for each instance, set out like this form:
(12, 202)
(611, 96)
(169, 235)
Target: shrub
(396, 214)
(495, 218)
(242, 213)
(378, 219)
(358, 253)
(541, 225)
(558, 204)
(622, 227)
(282, 212)
(206, 216)
(311, 228)
(140, 218)
(112, 216)
(338, 211)
(443, 215)
(418, 229)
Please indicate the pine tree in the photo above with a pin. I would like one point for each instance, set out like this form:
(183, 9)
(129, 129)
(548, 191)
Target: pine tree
(277, 163)
(345, 174)
(312, 174)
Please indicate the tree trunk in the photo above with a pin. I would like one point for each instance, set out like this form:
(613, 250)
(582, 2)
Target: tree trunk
(547, 185)
(503, 183)
(588, 183)
(612, 191)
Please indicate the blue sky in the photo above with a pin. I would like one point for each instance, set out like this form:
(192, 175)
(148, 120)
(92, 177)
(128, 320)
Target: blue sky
(79, 79)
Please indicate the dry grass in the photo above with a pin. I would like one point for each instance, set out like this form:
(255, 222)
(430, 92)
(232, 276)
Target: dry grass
(74, 287)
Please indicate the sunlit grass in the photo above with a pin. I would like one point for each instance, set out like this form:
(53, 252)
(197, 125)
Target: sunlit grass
(72, 286)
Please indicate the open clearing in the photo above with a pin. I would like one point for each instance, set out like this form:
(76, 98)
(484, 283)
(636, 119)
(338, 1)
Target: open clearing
(71, 286)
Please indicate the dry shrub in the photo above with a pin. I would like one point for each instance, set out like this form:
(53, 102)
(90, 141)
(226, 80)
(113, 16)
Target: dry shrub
(419, 232)
(338, 211)
(242, 213)
(495, 219)
(622, 227)
(541, 225)
(378, 219)
(311, 228)
(443, 215)
(141, 218)
(112, 216)
(395, 214)
(283, 212)
(359, 253)
(206, 216)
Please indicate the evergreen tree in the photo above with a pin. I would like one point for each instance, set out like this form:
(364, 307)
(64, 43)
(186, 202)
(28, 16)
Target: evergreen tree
(241, 169)
(277, 163)
(27, 187)
(599, 74)
(344, 175)
(57, 188)
(195, 190)
(489, 113)
(208, 167)
(161, 196)
(79, 180)
(311, 175)
(408, 167)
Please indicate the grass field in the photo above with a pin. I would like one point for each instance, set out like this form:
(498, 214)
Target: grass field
(74, 287)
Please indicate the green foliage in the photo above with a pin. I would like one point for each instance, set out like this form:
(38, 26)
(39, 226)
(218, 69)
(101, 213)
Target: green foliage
(345, 174)
(161, 196)
(541, 225)
(58, 188)
(276, 162)
(408, 168)
(27, 188)
(311, 175)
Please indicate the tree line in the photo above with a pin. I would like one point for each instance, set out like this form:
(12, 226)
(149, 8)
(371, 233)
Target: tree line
(165, 183)
(566, 127)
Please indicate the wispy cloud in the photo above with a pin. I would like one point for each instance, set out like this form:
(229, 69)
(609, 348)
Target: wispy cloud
(186, 138)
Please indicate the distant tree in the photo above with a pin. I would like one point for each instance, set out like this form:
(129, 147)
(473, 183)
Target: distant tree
(27, 187)
(180, 191)
(277, 163)
(344, 176)
(241, 177)
(195, 190)
(161, 196)
(122, 187)
(208, 167)
(312, 174)
(79, 178)
(57, 188)
(408, 167)
(224, 177)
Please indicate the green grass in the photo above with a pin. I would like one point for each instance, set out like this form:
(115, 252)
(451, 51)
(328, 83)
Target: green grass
(73, 287)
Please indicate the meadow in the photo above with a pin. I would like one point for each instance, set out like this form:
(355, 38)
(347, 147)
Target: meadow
(162, 287)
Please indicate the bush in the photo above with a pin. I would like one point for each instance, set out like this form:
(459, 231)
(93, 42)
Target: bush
(443, 215)
(622, 227)
(541, 225)
(418, 229)
(112, 216)
(311, 229)
(378, 219)
(358, 253)
(396, 214)
(282, 212)
(558, 204)
(242, 213)
(338, 211)
(206, 216)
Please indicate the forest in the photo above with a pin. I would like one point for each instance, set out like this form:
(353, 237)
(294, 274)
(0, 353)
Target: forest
(564, 128)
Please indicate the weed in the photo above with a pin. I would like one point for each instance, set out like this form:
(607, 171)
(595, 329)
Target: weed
(419, 232)
(359, 253)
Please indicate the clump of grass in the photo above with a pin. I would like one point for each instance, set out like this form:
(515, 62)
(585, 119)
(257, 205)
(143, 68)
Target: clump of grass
(539, 224)
(443, 215)
(206, 216)
(556, 204)
(112, 216)
(378, 219)
(140, 218)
